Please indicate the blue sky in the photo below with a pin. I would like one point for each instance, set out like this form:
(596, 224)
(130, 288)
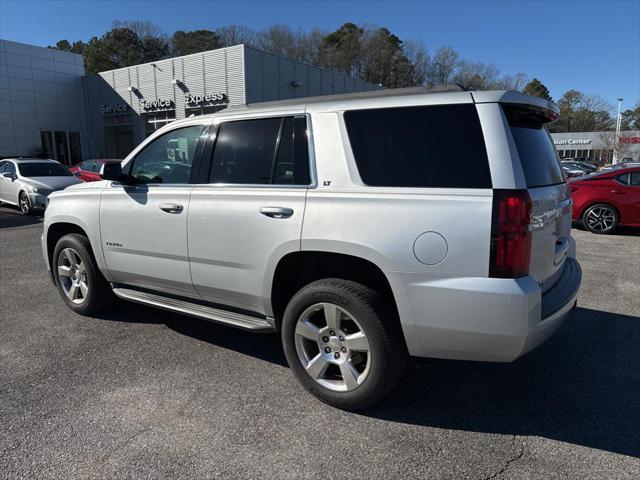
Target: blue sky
(590, 46)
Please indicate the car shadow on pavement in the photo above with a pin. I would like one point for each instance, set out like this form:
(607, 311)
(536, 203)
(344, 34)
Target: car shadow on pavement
(627, 231)
(264, 346)
(619, 231)
(581, 387)
(10, 217)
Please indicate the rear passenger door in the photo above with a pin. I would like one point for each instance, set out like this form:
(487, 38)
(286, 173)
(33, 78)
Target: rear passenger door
(246, 212)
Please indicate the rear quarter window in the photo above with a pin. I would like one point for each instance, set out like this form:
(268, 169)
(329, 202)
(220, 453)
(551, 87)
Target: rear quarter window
(426, 146)
(538, 155)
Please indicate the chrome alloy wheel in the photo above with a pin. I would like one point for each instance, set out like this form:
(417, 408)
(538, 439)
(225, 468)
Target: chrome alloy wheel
(332, 347)
(72, 275)
(600, 219)
(24, 203)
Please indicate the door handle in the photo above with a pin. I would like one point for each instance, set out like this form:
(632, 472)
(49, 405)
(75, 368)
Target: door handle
(276, 212)
(171, 208)
(618, 192)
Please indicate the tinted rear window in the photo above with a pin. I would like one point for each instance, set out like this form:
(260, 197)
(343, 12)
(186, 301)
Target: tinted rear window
(538, 155)
(432, 146)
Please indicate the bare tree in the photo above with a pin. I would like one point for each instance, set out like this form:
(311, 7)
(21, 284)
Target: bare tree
(516, 82)
(309, 45)
(142, 28)
(446, 62)
(278, 39)
(236, 35)
(609, 142)
(593, 114)
(418, 55)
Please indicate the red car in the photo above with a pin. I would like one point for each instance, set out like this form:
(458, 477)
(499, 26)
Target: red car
(89, 170)
(603, 201)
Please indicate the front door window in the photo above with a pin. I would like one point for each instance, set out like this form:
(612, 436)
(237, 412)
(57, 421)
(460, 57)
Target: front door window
(168, 158)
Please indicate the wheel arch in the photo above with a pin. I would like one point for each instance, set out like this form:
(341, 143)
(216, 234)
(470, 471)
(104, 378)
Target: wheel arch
(55, 232)
(300, 268)
(20, 192)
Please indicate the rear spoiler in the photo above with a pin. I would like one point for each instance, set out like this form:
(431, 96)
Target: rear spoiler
(548, 109)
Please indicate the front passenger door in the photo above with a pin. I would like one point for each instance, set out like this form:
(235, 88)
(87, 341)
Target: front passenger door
(144, 225)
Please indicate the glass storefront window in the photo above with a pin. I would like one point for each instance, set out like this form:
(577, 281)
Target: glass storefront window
(46, 143)
(62, 147)
(197, 111)
(608, 156)
(117, 120)
(75, 147)
(154, 121)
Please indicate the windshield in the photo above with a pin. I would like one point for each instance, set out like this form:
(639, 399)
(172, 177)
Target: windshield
(43, 169)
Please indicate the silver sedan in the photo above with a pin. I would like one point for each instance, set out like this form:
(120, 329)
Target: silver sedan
(27, 183)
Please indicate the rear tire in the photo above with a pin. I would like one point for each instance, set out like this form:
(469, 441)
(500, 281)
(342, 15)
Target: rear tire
(344, 343)
(601, 218)
(79, 281)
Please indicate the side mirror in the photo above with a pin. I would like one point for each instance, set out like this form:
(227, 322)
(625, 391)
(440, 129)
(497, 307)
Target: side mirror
(113, 171)
(77, 174)
(11, 176)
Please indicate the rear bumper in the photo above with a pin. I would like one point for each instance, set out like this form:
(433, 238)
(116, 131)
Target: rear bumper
(486, 319)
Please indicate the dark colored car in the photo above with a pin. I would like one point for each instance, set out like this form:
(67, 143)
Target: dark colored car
(587, 167)
(572, 172)
(584, 160)
(608, 199)
(89, 170)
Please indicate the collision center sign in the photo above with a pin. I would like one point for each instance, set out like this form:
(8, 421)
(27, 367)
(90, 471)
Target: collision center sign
(572, 141)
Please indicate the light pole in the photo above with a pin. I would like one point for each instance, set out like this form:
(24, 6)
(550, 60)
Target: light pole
(616, 145)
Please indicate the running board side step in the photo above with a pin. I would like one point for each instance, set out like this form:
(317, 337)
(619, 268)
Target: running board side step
(238, 320)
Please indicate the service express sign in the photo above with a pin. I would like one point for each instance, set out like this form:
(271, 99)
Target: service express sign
(157, 104)
(191, 100)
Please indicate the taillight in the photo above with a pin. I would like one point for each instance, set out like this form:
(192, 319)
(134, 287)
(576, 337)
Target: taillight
(510, 234)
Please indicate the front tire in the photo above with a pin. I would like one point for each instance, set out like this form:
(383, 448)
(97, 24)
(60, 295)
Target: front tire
(79, 282)
(600, 218)
(24, 203)
(344, 343)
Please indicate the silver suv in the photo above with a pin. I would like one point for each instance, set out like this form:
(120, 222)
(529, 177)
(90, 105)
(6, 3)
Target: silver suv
(365, 228)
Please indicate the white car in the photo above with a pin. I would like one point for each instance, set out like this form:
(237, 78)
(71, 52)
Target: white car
(28, 182)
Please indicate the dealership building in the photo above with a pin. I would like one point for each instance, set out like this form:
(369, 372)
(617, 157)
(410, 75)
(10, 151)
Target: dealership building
(49, 107)
(598, 146)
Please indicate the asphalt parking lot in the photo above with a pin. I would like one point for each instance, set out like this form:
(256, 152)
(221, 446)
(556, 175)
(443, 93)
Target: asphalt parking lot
(141, 393)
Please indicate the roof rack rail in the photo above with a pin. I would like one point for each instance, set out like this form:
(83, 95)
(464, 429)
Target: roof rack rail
(382, 92)
(447, 87)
